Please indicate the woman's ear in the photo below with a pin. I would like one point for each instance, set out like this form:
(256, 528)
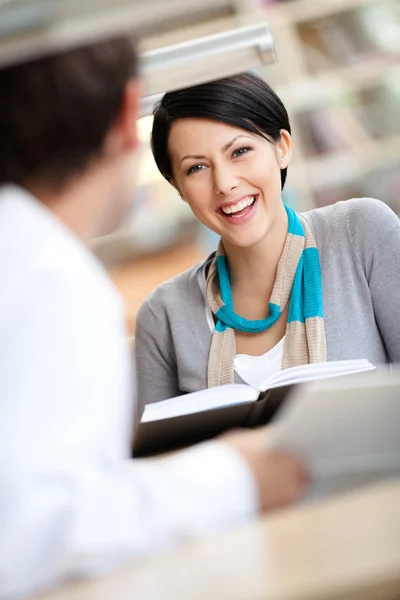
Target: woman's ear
(181, 195)
(175, 185)
(284, 148)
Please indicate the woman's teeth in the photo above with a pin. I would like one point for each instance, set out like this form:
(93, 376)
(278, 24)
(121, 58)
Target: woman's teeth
(231, 210)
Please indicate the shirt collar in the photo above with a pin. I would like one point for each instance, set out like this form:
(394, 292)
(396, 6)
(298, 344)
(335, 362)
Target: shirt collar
(33, 224)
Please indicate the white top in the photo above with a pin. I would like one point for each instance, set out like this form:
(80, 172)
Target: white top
(252, 369)
(70, 504)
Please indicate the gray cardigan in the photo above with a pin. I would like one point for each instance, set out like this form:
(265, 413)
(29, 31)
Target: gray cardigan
(359, 249)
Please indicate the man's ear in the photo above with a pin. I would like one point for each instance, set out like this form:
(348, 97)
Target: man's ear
(123, 135)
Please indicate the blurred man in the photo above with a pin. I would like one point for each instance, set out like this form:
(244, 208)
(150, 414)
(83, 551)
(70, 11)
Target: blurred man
(70, 504)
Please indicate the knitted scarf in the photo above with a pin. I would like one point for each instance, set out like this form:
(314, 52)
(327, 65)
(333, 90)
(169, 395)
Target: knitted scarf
(298, 281)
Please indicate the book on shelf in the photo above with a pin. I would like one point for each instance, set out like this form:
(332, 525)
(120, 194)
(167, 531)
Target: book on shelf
(191, 418)
(347, 38)
(333, 130)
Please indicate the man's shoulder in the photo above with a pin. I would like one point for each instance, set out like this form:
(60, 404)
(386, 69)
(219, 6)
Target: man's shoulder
(54, 277)
(36, 246)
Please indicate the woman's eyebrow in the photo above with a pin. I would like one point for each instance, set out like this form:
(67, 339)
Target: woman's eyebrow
(196, 156)
(229, 144)
(224, 148)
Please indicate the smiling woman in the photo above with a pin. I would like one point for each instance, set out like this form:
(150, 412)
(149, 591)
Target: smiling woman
(230, 180)
(282, 288)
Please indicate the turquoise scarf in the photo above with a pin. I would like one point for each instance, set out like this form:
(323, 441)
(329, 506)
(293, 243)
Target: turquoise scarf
(298, 282)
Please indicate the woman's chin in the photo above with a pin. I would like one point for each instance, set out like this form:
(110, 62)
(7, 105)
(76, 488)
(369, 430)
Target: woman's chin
(243, 239)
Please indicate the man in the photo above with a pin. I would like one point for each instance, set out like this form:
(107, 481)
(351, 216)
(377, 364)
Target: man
(70, 504)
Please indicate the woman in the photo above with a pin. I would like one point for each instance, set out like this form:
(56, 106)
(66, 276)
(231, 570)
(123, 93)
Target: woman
(283, 288)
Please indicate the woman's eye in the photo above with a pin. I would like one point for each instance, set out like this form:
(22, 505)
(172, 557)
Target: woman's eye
(195, 169)
(241, 151)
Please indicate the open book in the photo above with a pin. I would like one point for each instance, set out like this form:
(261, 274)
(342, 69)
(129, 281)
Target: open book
(346, 431)
(191, 418)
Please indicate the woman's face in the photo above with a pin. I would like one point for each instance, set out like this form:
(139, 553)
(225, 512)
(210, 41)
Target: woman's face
(230, 178)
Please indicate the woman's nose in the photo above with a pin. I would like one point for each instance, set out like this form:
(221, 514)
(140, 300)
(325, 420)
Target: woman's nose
(225, 180)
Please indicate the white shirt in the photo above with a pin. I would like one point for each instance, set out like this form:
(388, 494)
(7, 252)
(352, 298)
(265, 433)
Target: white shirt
(70, 504)
(253, 370)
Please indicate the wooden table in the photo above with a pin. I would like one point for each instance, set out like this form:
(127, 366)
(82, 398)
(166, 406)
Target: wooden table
(344, 547)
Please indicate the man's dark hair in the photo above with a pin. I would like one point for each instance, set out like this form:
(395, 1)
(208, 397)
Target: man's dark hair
(56, 111)
(243, 100)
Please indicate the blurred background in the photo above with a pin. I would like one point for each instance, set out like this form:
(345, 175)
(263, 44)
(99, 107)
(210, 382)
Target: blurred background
(337, 69)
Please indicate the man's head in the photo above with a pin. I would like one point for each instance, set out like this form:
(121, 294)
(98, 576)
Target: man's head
(69, 116)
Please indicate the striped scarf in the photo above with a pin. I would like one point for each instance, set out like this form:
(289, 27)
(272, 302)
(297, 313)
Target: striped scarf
(298, 279)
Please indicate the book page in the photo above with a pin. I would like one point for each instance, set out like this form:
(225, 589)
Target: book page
(211, 398)
(311, 372)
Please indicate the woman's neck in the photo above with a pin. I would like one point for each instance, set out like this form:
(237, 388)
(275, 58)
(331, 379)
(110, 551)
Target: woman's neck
(254, 268)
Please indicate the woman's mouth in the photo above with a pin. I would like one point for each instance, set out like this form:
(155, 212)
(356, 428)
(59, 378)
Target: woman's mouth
(239, 212)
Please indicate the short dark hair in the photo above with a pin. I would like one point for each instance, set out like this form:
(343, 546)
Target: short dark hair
(244, 100)
(56, 111)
